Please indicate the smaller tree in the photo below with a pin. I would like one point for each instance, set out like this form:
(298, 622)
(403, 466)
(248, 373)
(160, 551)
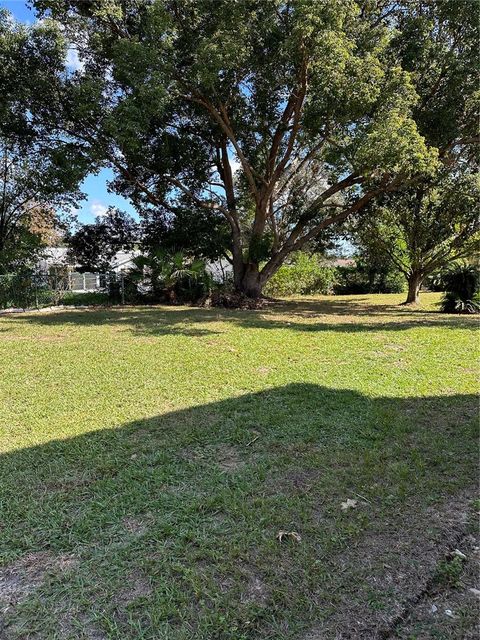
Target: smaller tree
(46, 225)
(32, 183)
(93, 246)
(40, 169)
(423, 228)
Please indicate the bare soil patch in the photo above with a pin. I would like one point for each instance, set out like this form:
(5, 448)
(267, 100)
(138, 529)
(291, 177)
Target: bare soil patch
(255, 592)
(228, 458)
(388, 572)
(23, 576)
(137, 585)
(450, 607)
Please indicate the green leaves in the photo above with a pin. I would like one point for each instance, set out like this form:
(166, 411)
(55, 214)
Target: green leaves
(174, 92)
(424, 227)
(393, 144)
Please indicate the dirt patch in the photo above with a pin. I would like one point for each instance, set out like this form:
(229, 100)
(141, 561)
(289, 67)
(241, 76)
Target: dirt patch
(264, 371)
(225, 456)
(137, 526)
(251, 589)
(71, 482)
(69, 626)
(81, 629)
(388, 572)
(255, 592)
(137, 586)
(228, 458)
(191, 455)
(450, 607)
(26, 574)
(294, 482)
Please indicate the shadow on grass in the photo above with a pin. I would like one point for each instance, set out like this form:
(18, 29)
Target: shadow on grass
(171, 521)
(306, 316)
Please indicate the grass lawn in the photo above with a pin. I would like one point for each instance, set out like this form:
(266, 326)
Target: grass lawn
(150, 456)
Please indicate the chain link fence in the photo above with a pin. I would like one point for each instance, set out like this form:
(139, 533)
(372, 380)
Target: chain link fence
(33, 289)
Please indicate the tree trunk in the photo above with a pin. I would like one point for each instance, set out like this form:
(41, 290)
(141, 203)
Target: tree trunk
(414, 283)
(250, 283)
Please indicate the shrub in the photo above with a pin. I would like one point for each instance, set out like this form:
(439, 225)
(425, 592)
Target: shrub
(87, 298)
(305, 274)
(362, 278)
(26, 288)
(122, 288)
(462, 290)
(170, 277)
(18, 290)
(434, 282)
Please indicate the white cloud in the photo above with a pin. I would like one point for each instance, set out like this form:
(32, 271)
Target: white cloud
(73, 61)
(97, 208)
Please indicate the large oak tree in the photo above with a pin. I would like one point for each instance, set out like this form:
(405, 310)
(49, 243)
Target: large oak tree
(228, 106)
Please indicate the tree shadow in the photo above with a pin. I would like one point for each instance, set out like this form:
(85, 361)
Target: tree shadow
(352, 316)
(166, 527)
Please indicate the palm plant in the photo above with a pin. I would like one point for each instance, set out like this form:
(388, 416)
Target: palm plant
(172, 276)
(462, 290)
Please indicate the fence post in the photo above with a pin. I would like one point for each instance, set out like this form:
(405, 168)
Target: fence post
(122, 288)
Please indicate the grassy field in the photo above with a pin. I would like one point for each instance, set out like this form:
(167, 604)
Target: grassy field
(150, 457)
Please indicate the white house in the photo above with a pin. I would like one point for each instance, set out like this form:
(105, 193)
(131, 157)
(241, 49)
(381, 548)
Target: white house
(122, 261)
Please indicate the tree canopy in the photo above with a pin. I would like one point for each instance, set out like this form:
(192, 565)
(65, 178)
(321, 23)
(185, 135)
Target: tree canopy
(282, 117)
(424, 228)
(32, 181)
(93, 246)
(39, 168)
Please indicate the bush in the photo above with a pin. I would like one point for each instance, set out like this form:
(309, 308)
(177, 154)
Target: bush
(361, 278)
(170, 277)
(18, 290)
(122, 289)
(89, 298)
(462, 290)
(26, 288)
(434, 282)
(305, 274)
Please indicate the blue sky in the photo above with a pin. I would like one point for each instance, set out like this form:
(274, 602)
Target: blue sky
(95, 186)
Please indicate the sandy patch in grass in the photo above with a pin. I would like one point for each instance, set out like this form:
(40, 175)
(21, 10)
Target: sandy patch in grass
(256, 592)
(136, 526)
(76, 626)
(226, 456)
(137, 586)
(19, 579)
(389, 571)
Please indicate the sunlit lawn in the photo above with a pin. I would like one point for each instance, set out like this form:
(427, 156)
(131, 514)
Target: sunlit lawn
(150, 456)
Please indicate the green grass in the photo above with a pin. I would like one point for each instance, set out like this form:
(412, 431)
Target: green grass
(149, 457)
